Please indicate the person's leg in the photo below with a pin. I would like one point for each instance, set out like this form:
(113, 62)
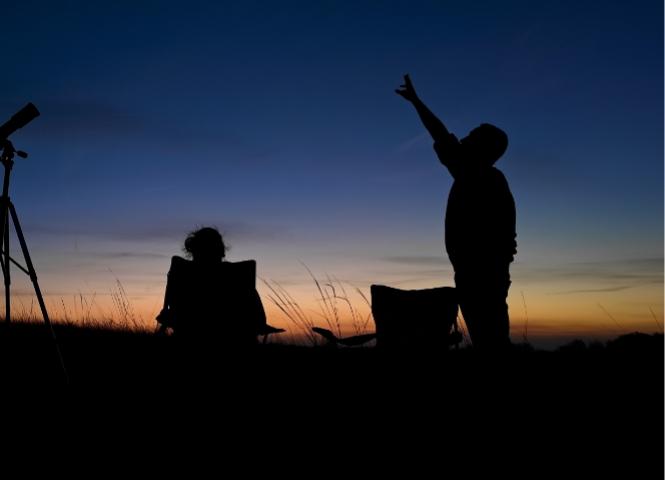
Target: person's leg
(482, 299)
(468, 297)
(497, 307)
(496, 324)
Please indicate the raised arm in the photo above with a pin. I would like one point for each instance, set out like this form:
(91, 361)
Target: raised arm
(446, 145)
(434, 126)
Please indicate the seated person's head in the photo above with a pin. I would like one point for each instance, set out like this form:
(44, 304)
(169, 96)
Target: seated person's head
(205, 245)
(485, 144)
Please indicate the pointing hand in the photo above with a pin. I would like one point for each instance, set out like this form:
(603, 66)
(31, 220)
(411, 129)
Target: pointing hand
(406, 90)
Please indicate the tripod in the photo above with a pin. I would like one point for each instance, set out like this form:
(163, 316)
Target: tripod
(8, 210)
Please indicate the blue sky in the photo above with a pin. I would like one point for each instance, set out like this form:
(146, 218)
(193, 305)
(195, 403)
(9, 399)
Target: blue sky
(278, 122)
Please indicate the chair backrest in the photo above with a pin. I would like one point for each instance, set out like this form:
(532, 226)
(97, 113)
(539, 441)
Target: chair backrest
(413, 318)
(219, 299)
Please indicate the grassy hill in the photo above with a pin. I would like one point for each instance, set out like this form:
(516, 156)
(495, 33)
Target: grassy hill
(582, 406)
(101, 356)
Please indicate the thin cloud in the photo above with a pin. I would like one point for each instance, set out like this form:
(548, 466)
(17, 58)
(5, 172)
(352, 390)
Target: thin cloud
(66, 118)
(611, 270)
(120, 255)
(650, 262)
(598, 276)
(417, 260)
(168, 230)
(412, 142)
(83, 120)
(596, 290)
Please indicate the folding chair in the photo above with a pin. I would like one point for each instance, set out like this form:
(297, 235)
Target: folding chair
(214, 300)
(425, 318)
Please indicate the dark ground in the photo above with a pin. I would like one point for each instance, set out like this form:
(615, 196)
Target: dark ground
(598, 407)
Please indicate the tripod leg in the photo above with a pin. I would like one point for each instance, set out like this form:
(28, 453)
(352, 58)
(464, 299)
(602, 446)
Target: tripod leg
(6, 270)
(33, 278)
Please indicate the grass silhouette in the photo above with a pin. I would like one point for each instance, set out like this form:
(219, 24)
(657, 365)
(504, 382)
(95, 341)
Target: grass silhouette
(336, 308)
(84, 311)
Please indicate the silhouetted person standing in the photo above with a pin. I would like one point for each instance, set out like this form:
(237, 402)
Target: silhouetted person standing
(480, 223)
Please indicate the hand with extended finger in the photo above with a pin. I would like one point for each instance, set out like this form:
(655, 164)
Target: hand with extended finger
(406, 90)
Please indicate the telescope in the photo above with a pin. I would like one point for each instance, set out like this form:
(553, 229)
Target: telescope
(19, 120)
(8, 215)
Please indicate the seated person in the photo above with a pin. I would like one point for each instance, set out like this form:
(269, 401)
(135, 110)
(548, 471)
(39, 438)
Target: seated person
(208, 298)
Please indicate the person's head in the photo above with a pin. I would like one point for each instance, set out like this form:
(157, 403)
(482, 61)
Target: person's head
(486, 143)
(206, 245)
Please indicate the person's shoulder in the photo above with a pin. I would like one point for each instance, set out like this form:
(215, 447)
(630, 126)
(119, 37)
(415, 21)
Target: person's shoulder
(499, 183)
(497, 175)
(447, 146)
(176, 260)
(179, 264)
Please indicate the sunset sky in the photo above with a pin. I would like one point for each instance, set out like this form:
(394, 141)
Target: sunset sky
(278, 123)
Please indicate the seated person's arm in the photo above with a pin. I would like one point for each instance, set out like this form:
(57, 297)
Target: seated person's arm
(165, 317)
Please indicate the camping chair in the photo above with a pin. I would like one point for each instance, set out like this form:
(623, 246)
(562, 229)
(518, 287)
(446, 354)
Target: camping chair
(410, 319)
(228, 290)
(425, 318)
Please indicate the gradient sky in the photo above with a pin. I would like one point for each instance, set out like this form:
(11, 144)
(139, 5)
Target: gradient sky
(278, 123)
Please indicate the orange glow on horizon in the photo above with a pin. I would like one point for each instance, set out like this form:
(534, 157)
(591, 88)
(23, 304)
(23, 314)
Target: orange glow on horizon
(540, 307)
(546, 316)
